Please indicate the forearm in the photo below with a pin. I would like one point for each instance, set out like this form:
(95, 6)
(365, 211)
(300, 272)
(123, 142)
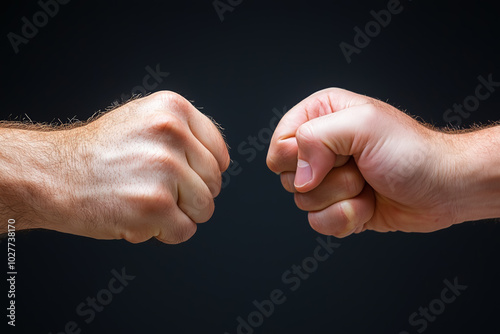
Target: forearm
(477, 170)
(28, 162)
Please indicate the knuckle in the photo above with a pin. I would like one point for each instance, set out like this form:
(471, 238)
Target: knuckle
(168, 123)
(334, 90)
(352, 183)
(287, 180)
(370, 113)
(282, 155)
(204, 208)
(135, 236)
(153, 201)
(162, 159)
(327, 225)
(165, 163)
(302, 201)
(316, 222)
(199, 208)
(215, 185)
(305, 133)
(272, 163)
(167, 98)
(226, 157)
(214, 176)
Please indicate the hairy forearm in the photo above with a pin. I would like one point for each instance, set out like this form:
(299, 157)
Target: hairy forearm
(29, 160)
(477, 174)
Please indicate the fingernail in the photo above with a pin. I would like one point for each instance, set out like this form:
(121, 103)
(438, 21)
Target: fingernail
(304, 173)
(348, 211)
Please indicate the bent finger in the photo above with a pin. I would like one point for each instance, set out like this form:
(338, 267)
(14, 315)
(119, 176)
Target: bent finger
(343, 218)
(176, 228)
(282, 150)
(340, 184)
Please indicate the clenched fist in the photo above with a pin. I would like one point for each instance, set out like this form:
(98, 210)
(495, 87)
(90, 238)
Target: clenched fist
(150, 168)
(356, 163)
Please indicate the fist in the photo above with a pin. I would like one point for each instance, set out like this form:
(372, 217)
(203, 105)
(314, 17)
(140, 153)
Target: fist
(150, 168)
(356, 163)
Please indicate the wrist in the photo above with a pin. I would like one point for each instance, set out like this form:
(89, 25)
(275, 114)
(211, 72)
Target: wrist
(65, 172)
(475, 173)
(32, 177)
(22, 192)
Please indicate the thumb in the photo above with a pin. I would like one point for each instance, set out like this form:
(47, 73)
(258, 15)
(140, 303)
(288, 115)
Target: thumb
(324, 141)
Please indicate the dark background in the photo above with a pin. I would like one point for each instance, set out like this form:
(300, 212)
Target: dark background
(264, 55)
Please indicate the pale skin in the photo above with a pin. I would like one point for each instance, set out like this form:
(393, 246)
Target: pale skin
(151, 168)
(356, 163)
(148, 169)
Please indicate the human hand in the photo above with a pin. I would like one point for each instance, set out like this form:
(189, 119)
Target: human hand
(149, 168)
(356, 163)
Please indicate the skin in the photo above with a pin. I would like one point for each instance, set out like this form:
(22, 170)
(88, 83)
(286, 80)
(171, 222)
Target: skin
(150, 168)
(356, 163)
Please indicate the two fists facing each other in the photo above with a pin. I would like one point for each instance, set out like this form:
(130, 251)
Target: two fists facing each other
(152, 167)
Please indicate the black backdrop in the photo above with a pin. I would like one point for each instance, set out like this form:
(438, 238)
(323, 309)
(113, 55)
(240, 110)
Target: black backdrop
(264, 55)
